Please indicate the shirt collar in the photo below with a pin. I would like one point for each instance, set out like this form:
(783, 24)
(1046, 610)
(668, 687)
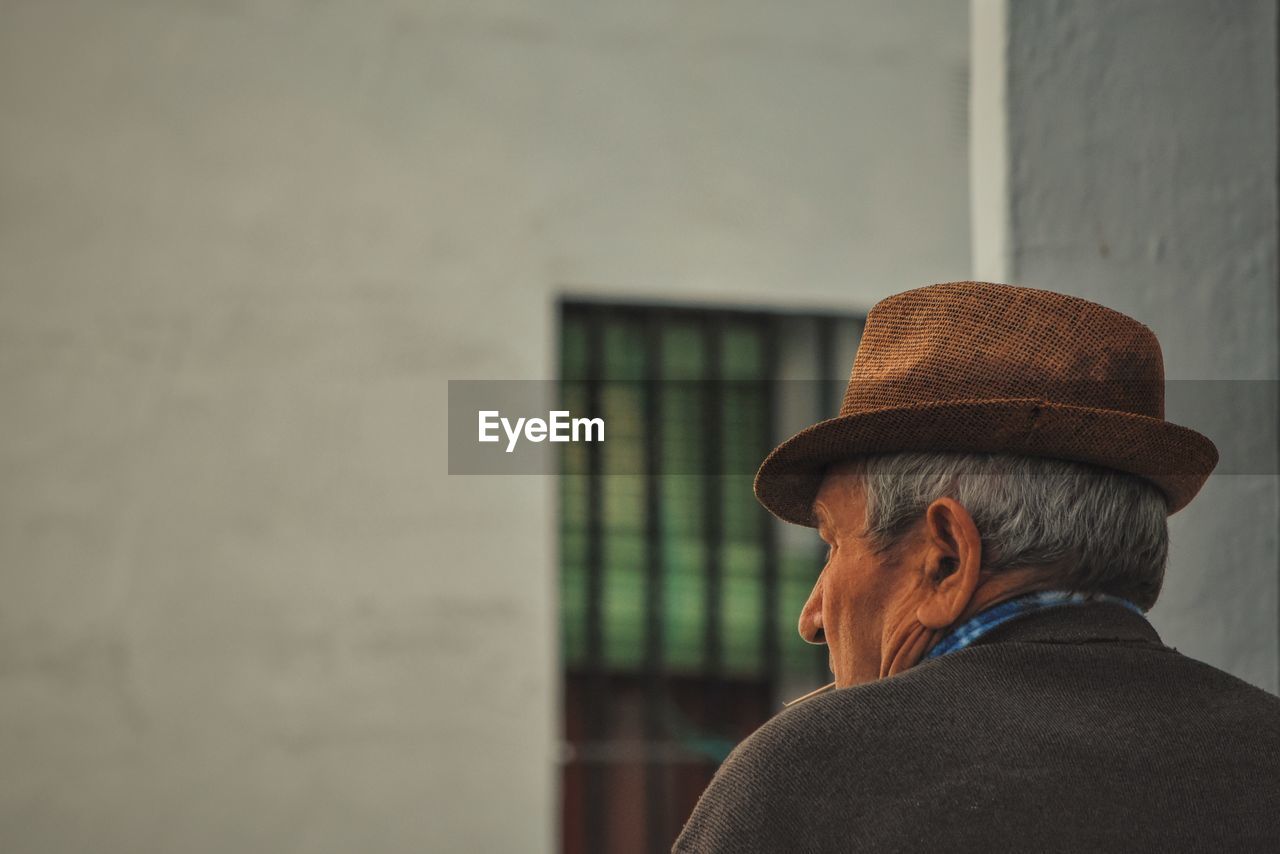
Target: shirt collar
(985, 621)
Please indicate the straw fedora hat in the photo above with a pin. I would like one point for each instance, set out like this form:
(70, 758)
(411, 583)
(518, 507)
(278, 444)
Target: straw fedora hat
(987, 368)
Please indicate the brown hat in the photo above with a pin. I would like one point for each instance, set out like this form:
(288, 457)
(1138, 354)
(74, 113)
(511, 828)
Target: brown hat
(979, 367)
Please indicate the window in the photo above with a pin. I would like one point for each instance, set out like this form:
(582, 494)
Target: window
(679, 593)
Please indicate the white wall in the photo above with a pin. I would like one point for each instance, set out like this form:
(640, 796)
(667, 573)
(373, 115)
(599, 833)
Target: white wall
(1136, 146)
(243, 245)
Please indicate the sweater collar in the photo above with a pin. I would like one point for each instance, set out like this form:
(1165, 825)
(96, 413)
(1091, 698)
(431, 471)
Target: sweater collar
(1050, 616)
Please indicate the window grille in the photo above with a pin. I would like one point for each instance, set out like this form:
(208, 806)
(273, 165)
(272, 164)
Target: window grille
(679, 593)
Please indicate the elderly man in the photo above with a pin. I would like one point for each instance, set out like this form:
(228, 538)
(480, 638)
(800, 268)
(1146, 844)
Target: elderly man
(994, 496)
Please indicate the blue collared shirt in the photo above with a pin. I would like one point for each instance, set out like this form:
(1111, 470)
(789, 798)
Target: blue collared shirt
(997, 615)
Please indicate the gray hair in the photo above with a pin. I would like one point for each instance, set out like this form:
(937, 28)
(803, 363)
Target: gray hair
(1102, 530)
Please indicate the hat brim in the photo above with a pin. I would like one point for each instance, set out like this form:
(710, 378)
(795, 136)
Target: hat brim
(1176, 459)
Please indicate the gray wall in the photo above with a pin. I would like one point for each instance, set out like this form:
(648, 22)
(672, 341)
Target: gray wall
(1128, 152)
(243, 245)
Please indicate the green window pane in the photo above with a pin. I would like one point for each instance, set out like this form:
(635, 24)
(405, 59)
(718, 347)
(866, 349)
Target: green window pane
(624, 505)
(804, 564)
(573, 348)
(573, 571)
(683, 351)
(796, 655)
(746, 434)
(741, 613)
(623, 411)
(743, 516)
(624, 351)
(573, 612)
(742, 351)
(683, 433)
(622, 606)
(684, 603)
(683, 506)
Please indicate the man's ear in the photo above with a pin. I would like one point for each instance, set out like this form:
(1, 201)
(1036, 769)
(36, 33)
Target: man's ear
(953, 561)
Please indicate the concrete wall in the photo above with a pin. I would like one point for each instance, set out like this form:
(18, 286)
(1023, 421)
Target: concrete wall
(243, 245)
(1126, 153)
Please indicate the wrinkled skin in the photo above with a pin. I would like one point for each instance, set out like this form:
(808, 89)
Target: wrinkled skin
(880, 611)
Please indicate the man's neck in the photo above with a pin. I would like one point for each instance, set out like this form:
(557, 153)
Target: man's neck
(908, 643)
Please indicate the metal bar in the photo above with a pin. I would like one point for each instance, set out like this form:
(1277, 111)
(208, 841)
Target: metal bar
(595, 496)
(712, 461)
(770, 652)
(596, 713)
(829, 399)
(655, 772)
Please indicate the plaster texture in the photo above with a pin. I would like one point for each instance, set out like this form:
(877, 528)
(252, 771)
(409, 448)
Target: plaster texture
(243, 247)
(1136, 144)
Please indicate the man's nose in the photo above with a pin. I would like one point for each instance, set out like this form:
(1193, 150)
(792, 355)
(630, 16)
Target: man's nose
(811, 616)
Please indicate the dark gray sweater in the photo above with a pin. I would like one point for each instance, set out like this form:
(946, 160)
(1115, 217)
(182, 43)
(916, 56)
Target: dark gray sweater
(1072, 729)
